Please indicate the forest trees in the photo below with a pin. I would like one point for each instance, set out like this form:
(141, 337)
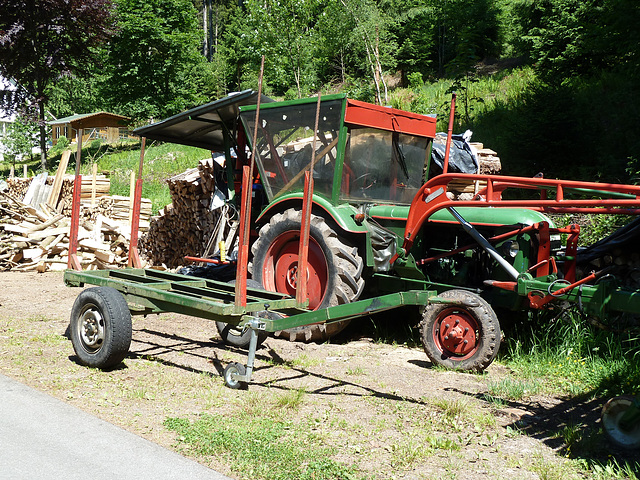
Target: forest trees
(42, 41)
(152, 63)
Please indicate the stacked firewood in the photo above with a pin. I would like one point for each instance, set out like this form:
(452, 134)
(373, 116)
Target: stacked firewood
(488, 159)
(38, 239)
(489, 164)
(65, 202)
(183, 228)
(17, 187)
(119, 208)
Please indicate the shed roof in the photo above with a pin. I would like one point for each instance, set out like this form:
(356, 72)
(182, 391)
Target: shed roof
(93, 120)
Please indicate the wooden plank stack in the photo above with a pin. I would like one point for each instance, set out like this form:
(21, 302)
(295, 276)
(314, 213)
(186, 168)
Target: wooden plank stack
(183, 227)
(488, 159)
(64, 203)
(36, 236)
(38, 239)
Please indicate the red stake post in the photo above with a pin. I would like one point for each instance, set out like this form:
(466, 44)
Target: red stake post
(452, 115)
(305, 226)
(134, 258)
(245, 210)
(73, 262)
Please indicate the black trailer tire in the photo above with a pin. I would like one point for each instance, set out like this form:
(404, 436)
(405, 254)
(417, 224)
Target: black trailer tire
(234, 335)
(229, 381)
(100, 327)
(237, 336)
(464, 336)
(335, 268)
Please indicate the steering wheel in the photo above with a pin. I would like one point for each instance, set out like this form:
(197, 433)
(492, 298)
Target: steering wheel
(365, 181)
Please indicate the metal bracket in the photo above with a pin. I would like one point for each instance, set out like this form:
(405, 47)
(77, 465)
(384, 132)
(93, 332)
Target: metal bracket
(255, 324)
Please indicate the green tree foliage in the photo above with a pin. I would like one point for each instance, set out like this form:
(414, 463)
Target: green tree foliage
(568, 38)
(154, 62)
(21, 138)
(44, 40)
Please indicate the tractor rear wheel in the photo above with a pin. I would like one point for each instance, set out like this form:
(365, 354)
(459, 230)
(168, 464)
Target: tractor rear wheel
(463, 336)
(334, 276)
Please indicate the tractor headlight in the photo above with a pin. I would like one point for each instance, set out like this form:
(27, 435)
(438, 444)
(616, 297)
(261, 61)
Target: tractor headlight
(510, 248)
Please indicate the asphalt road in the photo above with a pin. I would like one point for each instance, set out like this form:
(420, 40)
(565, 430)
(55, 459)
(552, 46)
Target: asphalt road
(42, 437)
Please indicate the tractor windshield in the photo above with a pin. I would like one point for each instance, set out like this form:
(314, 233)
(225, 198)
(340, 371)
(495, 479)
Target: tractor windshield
(285, 146)
(385, 166)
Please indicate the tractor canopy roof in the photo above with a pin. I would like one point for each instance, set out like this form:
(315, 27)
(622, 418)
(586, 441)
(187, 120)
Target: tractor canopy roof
(364, 152)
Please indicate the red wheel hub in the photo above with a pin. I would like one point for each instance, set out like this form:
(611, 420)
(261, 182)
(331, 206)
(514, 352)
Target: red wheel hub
(280, 271)
(455, 333)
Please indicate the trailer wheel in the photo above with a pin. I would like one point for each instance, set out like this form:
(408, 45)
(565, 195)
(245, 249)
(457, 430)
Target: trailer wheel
(612, 413)
(334, 274)
(100, 327)
(465, 336)
(229, 381)
(235, 335)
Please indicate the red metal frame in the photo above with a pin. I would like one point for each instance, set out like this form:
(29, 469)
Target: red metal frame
(432, 197)
(390, 119)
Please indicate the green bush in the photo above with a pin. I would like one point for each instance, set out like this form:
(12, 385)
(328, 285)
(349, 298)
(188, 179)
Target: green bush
(59, 147)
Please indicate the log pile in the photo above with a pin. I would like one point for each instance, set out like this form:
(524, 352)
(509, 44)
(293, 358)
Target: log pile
(65, 201)
(488, 164)
(488, 159)
(183, 227)
(36, 236)
(17, 187)
(38, 239)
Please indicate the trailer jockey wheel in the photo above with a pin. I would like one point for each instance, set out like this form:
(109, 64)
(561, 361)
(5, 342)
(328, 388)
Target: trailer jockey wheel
(229, 380)
(100, 327)
(621, 421)
(461, 335)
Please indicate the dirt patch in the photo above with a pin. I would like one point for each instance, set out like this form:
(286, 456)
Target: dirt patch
(383, 406)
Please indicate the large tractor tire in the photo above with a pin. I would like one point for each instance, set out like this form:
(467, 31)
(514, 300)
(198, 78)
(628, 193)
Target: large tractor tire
(461, 336)
(334, 273)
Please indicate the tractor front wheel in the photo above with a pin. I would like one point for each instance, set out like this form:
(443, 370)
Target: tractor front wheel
(461, 335)
(334, 274)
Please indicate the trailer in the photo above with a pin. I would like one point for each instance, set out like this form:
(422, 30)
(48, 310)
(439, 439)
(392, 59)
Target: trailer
(459, 330)
(101, 327)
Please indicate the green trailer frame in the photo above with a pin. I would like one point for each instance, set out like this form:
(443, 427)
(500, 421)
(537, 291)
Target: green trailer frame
(148, 291)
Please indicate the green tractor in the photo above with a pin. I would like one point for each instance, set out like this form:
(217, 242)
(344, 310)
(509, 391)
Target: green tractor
(369, 163)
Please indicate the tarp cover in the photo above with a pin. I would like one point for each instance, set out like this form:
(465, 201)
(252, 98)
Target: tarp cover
(461, 157)
(625, 238)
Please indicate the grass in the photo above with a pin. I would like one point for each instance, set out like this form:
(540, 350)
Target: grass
(573, 357)
(262, 447)
(160, 163)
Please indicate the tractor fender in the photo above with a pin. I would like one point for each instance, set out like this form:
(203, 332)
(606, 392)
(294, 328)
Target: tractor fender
(342, 215)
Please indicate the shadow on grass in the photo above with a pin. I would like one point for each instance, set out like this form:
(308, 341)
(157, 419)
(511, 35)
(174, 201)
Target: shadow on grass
(154, 351)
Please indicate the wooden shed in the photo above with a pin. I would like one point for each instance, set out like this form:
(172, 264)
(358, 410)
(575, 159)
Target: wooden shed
(103, 125)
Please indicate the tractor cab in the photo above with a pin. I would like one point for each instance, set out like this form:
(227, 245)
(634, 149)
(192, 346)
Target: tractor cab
(364, 153)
